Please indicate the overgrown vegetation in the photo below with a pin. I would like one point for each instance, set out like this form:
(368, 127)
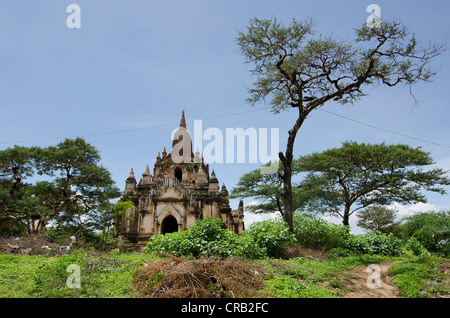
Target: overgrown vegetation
(270, 238)
(431, 229)
(266, 261)
(207, 237)
(101, 275)
(422, 277)
(116, 274)
(316, 233)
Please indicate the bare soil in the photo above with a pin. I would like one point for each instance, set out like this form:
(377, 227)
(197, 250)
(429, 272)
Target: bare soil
(356, 283)
(30, 245)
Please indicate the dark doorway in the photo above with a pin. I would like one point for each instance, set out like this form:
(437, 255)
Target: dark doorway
(178, 174)
(169, 225)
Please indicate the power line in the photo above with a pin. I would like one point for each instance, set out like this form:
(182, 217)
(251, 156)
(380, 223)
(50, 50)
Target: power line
(131, 129)
(386, 130)
(223, 116)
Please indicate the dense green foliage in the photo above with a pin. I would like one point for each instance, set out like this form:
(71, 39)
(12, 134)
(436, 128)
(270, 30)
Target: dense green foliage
(73, 187)
(375, 243)
(378, 243)
(271, 237)
(210, 237)
(314, 232)
(207, 237)
(359, 175)
(431, 229)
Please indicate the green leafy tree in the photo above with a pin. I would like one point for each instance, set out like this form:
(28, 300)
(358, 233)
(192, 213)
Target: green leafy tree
(80, 184)
(298, 70)
(17, 165)
(355, 176)
(376, 217)
(74, 184)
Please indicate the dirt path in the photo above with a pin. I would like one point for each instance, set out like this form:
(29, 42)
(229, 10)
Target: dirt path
(356, 282)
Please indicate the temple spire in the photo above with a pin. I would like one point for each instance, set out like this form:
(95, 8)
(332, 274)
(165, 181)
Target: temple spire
(183, 120)
(224, 190)
(146, 176)
(131, 176)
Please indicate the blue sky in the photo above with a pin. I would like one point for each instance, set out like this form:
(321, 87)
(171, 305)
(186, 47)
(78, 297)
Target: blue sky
(138, 64)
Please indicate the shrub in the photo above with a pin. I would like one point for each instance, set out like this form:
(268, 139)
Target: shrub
(413, 247)
(207, 237)
(316, 233)
(431, 229)
(271, 236)
(210, 237)
(374, 242)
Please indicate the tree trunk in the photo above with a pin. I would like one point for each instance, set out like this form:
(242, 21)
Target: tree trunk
(286, 159)
(287, 197)
(40, 226)
(346, 215)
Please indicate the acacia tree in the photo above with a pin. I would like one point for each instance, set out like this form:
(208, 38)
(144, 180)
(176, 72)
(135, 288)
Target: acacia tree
(356, 176)
(376, 217)
(296, 69)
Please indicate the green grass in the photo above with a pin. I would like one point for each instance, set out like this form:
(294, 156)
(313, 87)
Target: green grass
(422, 277)
(308, 277)
(110, 275)
(102, 275)
(16, 274)
(289, 287)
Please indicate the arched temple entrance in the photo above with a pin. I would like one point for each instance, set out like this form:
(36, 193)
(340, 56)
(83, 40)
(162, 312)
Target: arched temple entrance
(178, 174)
(169, 225)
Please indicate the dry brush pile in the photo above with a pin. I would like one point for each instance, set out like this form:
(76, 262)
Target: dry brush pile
(199, 278)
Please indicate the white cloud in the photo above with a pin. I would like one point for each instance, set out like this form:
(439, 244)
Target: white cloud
(403, 210)
(410, 209)
(250, 218)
